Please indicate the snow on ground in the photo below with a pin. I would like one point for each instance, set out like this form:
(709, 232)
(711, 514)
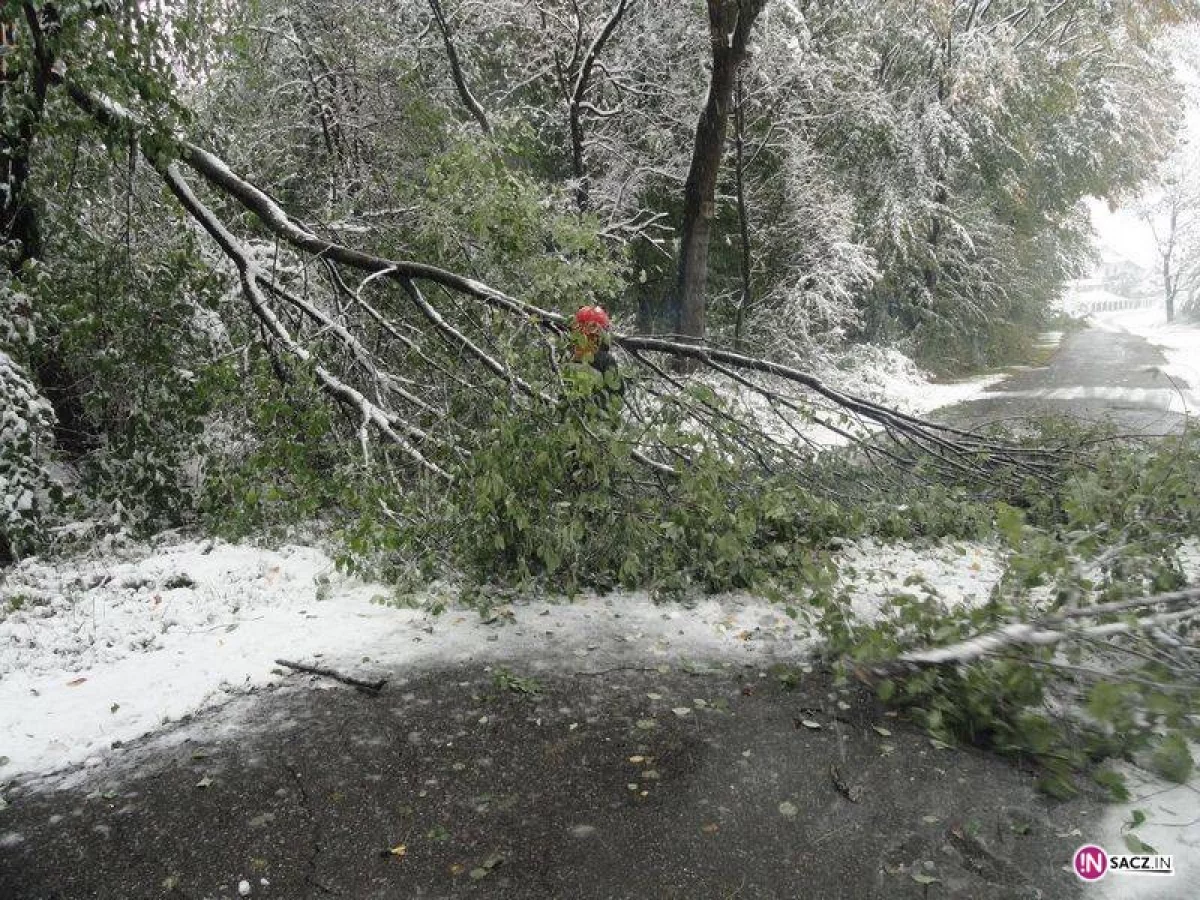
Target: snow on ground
(1179, 341)
(102, 649)
(1172, 828)
(961, 573)
(886, 375)
(106, 648)
(880, 374)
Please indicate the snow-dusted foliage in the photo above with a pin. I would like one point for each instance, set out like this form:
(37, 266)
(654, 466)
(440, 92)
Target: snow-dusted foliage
(26, 486)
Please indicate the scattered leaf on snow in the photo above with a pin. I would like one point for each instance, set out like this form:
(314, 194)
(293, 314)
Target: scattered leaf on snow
(637, 759)
(653, 696)
(1137, 845)
(809, 723)
(925, 879)
(682, 711)
(114, 707)
(76, 682)
(204, 782)
(881, 731)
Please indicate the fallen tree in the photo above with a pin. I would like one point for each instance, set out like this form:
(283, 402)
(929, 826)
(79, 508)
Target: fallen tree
(791, 403)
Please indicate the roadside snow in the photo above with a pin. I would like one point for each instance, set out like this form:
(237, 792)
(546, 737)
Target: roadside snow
(887, 376)
(1172, 828)
(960, 574)
(95, 651)
(881, 374)
(98, 650)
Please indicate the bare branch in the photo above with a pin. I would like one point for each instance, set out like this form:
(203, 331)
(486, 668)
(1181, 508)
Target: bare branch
(456, 70)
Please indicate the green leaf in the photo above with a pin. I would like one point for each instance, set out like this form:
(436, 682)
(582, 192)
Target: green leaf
(1136, 818)
(1136, 845)
(1172, 760)
(1114, 782)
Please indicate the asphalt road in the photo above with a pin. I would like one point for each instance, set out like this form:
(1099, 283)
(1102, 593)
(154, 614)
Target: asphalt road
(1095, 376)
(626, 784)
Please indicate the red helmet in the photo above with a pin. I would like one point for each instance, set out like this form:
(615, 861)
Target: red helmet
(591, 320)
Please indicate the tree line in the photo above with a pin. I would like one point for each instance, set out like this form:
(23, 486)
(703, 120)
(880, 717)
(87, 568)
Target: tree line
(777, 176)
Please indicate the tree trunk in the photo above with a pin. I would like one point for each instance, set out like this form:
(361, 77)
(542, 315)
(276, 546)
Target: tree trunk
(730, 23)
(739, 131)
(22, 101)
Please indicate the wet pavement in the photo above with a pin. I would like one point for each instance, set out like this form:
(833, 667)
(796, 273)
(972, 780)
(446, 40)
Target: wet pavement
(1095, 376)
(625, 784)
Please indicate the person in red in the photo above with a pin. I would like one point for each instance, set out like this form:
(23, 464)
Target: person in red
(593, 340)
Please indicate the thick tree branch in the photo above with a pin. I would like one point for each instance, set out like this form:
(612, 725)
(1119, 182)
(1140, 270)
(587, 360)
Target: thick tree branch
(456, 70)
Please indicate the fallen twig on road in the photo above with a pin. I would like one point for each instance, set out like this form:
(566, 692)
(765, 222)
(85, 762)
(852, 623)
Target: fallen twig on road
(373, 687)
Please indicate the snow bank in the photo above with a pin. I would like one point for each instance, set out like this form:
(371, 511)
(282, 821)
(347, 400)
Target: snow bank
(886, 375)
(960, 573)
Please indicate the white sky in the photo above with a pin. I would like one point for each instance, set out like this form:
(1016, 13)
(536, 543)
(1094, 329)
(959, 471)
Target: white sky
(1122, 235)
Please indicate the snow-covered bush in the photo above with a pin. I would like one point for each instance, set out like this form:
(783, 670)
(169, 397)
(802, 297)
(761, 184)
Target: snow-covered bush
(26, 488)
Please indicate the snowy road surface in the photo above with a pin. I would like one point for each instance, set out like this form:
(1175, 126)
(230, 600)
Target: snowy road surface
(1129, 368)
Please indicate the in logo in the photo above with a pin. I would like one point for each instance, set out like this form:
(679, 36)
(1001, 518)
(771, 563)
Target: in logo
(1091, 862)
